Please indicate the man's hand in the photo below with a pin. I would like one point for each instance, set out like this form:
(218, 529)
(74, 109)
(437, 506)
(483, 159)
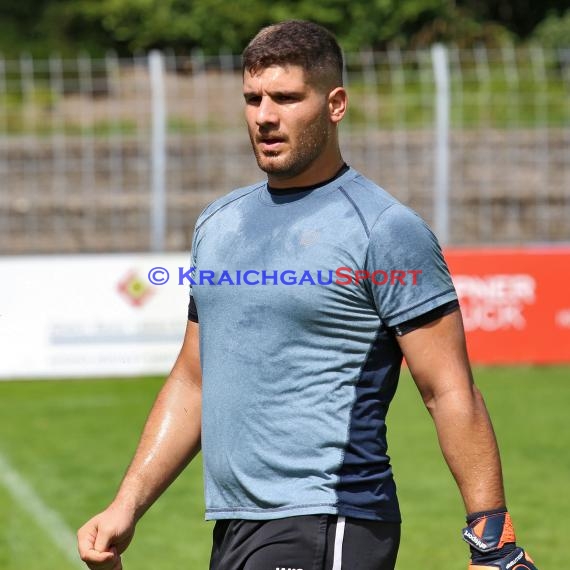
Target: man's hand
(102, 539)
(516, 560)
(491, 538)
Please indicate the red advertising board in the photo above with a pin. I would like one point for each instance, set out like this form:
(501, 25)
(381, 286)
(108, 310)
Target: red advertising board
(515, 303)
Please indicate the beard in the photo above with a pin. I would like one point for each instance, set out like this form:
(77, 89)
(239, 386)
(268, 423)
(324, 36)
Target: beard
(300, 155)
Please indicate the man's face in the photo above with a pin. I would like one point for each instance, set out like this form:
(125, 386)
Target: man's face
(287, 119)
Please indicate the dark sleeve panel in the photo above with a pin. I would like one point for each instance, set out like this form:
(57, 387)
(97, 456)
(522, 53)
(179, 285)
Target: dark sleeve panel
(430, 316)
(192, 311)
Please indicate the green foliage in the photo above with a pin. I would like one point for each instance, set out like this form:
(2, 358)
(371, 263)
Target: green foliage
(138, 25)
(554, 31)
(129, 26)
(519, 16)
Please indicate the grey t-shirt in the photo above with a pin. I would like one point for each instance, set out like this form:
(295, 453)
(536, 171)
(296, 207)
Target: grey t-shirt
(299, 358)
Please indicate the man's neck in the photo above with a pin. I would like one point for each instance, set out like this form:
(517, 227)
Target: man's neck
(295, 189)
(317, 173)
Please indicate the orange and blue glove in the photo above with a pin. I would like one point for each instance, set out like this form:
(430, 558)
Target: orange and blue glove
(492, 541)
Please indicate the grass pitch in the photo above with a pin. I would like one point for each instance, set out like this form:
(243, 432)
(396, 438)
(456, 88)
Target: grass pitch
(70, 442)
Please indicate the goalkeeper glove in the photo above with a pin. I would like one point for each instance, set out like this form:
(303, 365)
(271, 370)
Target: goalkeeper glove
(492, 541)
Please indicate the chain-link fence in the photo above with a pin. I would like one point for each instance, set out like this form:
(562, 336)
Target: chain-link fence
(121, 155)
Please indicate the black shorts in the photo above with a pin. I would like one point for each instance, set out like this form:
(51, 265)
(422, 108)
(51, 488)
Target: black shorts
(312, 542)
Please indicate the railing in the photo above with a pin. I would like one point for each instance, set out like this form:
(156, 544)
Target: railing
(121, 155)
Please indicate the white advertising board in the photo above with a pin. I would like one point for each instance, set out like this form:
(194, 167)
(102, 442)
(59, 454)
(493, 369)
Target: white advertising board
(90, 315)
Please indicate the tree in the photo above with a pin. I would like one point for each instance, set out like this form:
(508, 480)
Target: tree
(519, 16)
(129, 26)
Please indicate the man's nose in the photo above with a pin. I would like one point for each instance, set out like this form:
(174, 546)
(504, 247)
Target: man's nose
(266, 113)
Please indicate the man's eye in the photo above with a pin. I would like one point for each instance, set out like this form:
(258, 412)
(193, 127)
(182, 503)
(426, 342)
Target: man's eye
(252, 100)
(286, 98)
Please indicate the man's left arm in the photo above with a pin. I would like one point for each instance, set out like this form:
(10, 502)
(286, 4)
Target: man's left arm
(437, 358)
(436, 355)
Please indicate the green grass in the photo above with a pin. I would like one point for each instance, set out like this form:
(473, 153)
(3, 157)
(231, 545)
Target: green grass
(71, 442)
(493, 101)
(529, 408)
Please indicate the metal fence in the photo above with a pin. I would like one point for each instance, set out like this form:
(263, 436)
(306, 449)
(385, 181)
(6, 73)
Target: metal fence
(122, 154)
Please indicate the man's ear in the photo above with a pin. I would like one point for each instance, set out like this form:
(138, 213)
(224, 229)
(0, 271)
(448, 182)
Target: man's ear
(338, 102)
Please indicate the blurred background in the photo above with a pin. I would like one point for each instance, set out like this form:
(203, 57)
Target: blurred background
(120, 120)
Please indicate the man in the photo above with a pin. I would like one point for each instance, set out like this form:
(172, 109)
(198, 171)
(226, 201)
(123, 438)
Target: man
(309, 288)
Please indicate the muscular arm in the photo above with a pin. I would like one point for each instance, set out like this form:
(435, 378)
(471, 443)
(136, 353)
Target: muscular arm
(171, 435)
(437, 358)
(170, 439)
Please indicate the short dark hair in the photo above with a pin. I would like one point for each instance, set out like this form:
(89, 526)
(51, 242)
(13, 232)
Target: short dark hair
(297, 42)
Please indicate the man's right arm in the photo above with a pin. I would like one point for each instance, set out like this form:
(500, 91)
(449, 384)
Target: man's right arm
(169, 441)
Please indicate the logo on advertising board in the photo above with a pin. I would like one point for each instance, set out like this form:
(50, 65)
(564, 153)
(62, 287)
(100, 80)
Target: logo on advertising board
(495, 302)
(134, 289)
